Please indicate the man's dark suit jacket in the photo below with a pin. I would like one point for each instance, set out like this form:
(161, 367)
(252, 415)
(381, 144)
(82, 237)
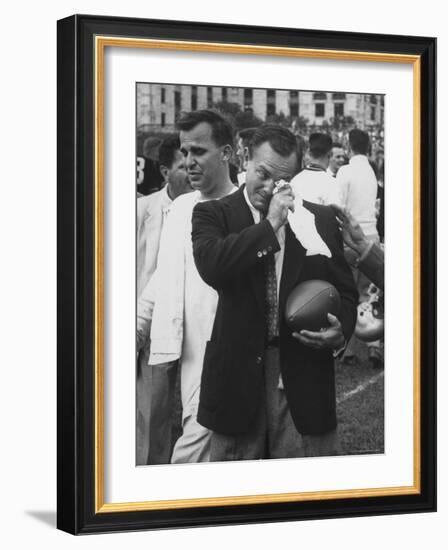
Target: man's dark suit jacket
(229, 251)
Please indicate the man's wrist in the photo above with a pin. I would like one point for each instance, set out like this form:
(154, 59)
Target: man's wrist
(337, 352)
(275, 224)
(362, 247)
(364, 252)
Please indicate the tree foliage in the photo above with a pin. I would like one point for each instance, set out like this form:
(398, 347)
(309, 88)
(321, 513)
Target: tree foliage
(239, 118)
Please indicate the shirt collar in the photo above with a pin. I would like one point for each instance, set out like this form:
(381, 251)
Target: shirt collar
(165, 197)
(358, 158)
(255, 213)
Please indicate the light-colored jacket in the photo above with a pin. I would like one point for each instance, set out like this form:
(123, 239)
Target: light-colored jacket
(151, 212)
(166, 289)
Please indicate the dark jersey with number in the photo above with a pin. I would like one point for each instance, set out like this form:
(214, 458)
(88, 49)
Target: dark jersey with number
(149, 178)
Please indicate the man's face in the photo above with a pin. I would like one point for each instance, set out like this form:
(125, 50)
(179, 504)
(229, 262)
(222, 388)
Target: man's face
(203, 158)
(240, 154)
(337, 158)
(176, 176)
(263, 169)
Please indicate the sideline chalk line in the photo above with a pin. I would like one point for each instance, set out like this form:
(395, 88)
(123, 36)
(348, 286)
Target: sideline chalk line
(360, 388)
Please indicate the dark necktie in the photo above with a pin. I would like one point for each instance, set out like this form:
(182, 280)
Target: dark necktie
(271, 297)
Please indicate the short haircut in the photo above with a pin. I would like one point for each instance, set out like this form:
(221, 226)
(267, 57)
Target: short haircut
(246, 135)
(319, 145)
(282, 141)
(222, 130)
(337, 144)
(359, 141)
(167, 151)
(151, 145)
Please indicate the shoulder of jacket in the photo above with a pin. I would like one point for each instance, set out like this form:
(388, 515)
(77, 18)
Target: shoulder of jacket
(144, 206)
(343, 170)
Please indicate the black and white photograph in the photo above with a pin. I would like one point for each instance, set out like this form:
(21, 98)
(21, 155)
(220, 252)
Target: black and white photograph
(260, 250)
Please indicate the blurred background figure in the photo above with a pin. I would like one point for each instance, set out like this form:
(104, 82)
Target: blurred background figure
(314, 184)
(380, 194)
(153, 430)
(370, 255)
(370, 261)
(243, 138)
(149, 178)
(152, 209)
(358, 192)
(337, 159)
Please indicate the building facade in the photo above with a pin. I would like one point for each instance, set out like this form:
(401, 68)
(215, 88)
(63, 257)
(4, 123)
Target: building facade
(158, 105)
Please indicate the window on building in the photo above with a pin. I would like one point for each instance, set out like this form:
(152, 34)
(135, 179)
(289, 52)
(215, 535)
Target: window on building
(338, 109)
(224, 94)
(162, 95)
(339, 96)
(248, 98)
(372, 113)
(270, 105)
(177, 102)
(382, 101)
(209, 97)
(319, 109)
(319, 95)
(373, 99)
(163, 119)
(294, 103)
(194, 98)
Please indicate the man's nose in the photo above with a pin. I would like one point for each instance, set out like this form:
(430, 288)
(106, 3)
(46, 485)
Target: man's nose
(190, 160)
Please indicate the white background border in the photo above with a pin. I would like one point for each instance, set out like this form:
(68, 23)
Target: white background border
(123, 481)
(28, 280)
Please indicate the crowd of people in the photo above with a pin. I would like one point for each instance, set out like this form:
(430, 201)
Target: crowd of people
(229, 226)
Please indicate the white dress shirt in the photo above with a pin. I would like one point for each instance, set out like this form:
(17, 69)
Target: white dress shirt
(316, 186)
(358, 188)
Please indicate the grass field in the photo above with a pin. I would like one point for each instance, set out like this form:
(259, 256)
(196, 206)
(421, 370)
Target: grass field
(360, 409)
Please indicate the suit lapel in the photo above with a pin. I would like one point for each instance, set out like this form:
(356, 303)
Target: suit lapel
(238, 214)
(293, 262)
(239, 217)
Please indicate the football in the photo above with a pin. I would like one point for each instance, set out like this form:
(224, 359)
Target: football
(309, 303)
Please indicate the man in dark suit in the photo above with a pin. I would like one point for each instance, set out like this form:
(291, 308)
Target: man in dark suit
(265, 392)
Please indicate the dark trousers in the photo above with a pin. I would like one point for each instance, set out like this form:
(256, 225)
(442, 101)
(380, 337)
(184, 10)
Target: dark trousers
(154, 406)
(273, 434)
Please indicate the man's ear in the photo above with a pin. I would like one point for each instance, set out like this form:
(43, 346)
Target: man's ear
(164, 171)
(226, 153)
(245, 157)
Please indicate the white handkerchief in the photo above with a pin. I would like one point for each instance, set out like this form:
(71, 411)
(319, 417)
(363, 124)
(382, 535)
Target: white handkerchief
(302, 223)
